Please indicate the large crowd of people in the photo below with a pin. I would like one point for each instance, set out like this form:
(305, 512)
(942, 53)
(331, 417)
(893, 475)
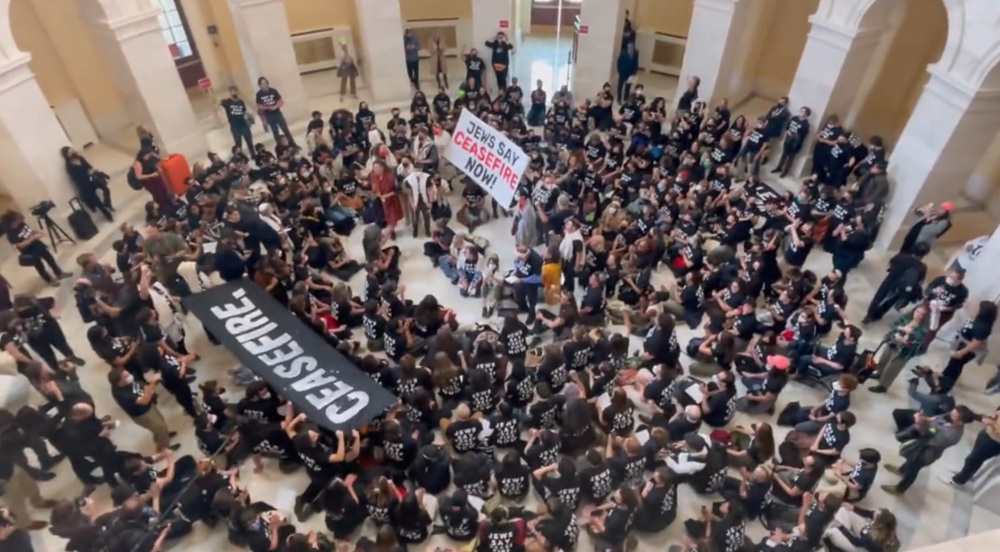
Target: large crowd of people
(536, 423)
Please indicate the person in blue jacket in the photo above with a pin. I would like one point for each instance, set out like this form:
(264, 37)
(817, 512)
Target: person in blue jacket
(628, 66)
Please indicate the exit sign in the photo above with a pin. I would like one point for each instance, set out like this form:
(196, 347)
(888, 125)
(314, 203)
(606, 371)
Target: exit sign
(584, 29)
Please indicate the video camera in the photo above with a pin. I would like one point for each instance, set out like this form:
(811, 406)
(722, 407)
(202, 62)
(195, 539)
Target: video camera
(42, 209)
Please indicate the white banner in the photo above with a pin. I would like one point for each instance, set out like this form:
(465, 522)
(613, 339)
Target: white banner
(487, 156)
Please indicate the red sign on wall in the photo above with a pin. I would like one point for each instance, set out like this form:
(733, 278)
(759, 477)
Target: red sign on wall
(175, 52)
(584, 29)
(204, 84)
(504, 24)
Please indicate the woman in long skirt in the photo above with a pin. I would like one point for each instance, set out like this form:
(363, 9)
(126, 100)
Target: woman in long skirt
(383, 183)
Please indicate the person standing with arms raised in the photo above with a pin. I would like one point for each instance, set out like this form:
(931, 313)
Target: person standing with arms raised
(500, 57)
(269, 104)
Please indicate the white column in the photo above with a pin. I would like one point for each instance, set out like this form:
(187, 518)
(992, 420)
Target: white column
(832, 68)
(266, 42)
(131, 40)
(384, 60)
(716, 38)
(486, 18)
(981, 275)
(598, 49)
(950, 129)
(31, 168)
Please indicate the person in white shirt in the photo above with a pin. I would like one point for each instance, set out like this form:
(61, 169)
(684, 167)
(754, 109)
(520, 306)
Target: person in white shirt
(692, 458)
(963, 258)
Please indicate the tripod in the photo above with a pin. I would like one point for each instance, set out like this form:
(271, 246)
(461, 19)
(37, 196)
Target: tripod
(56, 233)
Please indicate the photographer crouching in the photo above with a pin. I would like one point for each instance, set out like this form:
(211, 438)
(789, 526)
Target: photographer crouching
(32, 251)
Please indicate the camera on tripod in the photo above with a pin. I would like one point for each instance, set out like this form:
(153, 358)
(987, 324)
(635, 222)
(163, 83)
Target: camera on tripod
(43, 208)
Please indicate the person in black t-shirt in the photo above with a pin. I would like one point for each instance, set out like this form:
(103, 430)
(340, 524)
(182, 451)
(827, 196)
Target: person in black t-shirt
(139, 402)
(31, 250)
(269, 104)
(459, 518)
(593, 306)
(971, 340)
(474, 66)
(239, 117)
(610, 523)
(658, 502)
(500, 57)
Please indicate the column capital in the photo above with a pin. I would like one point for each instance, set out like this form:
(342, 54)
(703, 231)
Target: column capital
(252, 3)
(136, 24)
(15, 71)
(959, 93)
(836, 35)
(722, 6)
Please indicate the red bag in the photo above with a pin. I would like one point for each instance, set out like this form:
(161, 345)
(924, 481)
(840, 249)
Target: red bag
(176, 170)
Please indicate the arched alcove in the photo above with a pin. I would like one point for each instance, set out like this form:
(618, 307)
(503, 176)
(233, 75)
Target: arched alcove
(915, 36)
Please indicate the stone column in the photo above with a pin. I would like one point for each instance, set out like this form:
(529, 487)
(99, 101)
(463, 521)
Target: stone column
(833, 65)
(717, 35)
(950, 129)
(31, 168)
(266, 40)
(598, 49)
(129, 36)
(486, 18)
(384, 61)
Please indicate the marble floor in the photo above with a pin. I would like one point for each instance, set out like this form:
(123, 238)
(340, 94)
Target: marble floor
(931, 512)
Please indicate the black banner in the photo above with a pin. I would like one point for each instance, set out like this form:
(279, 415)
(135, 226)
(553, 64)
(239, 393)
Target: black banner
(290, 356)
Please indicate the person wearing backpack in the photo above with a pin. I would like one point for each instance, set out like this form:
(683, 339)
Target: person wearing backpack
(431, 470)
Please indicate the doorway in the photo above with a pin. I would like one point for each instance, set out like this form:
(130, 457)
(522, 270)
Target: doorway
(546, 42)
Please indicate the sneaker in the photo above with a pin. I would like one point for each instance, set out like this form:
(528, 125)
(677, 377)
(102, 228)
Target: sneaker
(77, 360)
(892, 468)
(37, 525)
(891, 489)
(64, 275)
(877, 389)
(174, 446)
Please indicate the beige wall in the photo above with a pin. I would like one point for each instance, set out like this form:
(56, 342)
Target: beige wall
(69, 67)
(672, 17)
(901, 74)
(776, 47)
(434, 9)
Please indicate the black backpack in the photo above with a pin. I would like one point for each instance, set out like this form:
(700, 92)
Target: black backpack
(133, 179)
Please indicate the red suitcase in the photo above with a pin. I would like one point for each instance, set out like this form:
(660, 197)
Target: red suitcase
(176, 170)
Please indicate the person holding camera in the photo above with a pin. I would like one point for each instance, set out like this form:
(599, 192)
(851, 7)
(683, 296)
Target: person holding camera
(88, 182)
(139, 527)
(139, 402)
(32, 251)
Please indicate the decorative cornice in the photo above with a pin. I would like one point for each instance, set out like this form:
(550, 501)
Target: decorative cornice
(839, 36)
(254, 3)
(131, 26)
(960, 94)
(727, 7)
(15, 71)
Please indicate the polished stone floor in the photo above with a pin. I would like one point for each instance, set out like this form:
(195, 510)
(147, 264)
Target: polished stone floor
(931, 512)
